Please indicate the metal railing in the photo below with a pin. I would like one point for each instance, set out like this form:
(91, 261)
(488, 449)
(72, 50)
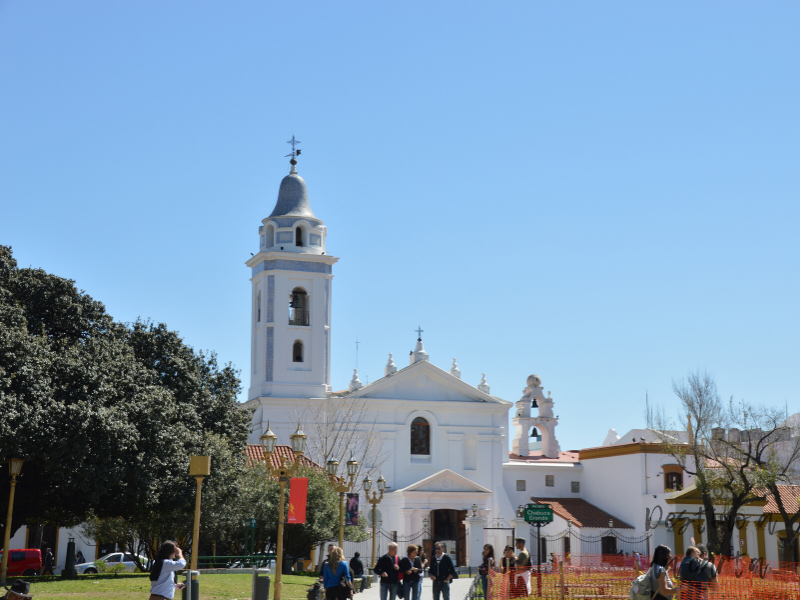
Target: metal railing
(251, 561)
(298, 317)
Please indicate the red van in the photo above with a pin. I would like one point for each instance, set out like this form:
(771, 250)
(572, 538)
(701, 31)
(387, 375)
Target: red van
(26, 562)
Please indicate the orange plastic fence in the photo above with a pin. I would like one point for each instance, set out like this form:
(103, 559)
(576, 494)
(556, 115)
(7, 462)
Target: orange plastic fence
(609, 577)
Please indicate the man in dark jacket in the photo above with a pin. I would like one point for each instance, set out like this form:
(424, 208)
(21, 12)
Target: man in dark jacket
(48, 561)
(441, 572)
(388, 568)
(357, 567)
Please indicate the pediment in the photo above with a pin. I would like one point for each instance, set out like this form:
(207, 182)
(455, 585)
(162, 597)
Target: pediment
(424, 381)
(446, 481)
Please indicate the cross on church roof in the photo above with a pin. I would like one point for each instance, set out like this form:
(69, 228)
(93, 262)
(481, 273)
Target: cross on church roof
(419, 331)
(295, 151)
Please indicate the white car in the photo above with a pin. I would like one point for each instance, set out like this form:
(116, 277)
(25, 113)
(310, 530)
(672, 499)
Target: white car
(111, 560)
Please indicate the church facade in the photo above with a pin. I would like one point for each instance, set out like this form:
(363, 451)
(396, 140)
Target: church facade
(442, 444)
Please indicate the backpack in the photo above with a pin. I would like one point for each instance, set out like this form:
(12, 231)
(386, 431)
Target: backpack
(642, 587)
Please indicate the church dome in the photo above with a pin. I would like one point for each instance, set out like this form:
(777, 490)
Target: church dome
(293, 198)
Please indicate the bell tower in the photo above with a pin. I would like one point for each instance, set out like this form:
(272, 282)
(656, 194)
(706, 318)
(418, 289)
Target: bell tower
(525, 423)
(291, 298)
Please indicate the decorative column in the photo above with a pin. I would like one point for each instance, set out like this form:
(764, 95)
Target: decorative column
(475, 525)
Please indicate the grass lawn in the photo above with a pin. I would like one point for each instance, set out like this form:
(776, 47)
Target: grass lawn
(128, 587)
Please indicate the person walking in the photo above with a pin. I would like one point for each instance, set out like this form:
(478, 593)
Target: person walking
(442, 573)
(523, 560)
(162, 574)
(388, 569)
(410, 566)
(357, 567)
(486, 567)
(336, 576)
(424, 562)
(48, 562)
(661, 584)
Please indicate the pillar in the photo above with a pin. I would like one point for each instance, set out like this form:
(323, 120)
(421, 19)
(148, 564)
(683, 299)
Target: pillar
(475, 527)
(677, 532)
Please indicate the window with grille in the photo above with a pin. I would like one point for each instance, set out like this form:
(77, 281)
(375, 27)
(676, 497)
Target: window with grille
(576, 487)
(550, 480)
(520, 485)
(420, 436)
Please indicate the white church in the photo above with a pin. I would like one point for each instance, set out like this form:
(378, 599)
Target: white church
(448, 469)
(445, 443)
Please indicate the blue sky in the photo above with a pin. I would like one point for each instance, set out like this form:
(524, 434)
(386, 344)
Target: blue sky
(602, 193)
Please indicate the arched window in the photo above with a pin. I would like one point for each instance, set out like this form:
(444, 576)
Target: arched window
(298, 236)
(298, 307)
(270, 242)
(258, 308)
(297, 351)
(420, 436)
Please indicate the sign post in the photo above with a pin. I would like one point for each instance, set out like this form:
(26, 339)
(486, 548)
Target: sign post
(538, 515)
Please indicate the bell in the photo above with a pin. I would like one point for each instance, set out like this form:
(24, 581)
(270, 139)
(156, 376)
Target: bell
(295, 303)
(534, 404)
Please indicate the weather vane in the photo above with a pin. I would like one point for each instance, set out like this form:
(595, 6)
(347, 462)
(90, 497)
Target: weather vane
(295, 151)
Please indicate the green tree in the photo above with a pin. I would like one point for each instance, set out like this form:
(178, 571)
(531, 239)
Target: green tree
(105, 415)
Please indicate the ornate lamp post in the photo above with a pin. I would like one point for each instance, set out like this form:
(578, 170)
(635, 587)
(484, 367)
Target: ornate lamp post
(343, 488)
(283, 473)
(374, 500)
(14, 469)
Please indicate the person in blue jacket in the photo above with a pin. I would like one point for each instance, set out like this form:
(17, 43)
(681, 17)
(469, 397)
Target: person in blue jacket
(332, 574)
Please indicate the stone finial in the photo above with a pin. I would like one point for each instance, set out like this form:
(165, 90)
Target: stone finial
(454, 370)
(355, 382)
(534, 381)
(483, 386)
(390, 367)
(419, 352)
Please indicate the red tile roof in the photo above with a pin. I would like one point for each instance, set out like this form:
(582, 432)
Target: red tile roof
(581, 512)
(789, 495)
(255, 454)
(536, 456)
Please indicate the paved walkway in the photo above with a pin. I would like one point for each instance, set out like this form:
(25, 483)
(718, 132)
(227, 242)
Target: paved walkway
(458, 590)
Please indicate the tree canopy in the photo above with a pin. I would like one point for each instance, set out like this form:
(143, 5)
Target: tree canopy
(105, 414)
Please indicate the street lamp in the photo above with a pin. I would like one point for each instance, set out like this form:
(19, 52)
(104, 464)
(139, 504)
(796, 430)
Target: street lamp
(284, 472)
(520, 511)
(199, 468)
(474, 510)
(374, 500)
(343, 486)
(14, 469)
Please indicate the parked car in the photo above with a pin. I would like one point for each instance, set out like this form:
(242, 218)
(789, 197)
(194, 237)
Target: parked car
(27, 562)
(111, 560)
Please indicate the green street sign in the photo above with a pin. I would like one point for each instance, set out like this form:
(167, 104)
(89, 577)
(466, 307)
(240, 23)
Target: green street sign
(538, 513)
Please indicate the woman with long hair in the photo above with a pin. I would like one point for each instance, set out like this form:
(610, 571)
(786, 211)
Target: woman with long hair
(485, 567)
(162, 573)
(659, 574)
(332, 574)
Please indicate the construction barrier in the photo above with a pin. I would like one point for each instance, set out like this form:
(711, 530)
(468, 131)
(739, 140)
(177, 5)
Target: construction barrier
(610, 577)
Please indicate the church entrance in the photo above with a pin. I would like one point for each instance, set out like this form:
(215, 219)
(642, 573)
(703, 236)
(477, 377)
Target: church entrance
(448, 527)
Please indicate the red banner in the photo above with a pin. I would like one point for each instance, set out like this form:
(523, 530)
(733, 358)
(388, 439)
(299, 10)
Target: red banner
(298, 494)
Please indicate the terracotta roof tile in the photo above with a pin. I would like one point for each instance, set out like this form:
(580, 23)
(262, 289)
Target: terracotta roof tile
(581, 512)
(255, 454)
(536, 456)
(789, 495)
